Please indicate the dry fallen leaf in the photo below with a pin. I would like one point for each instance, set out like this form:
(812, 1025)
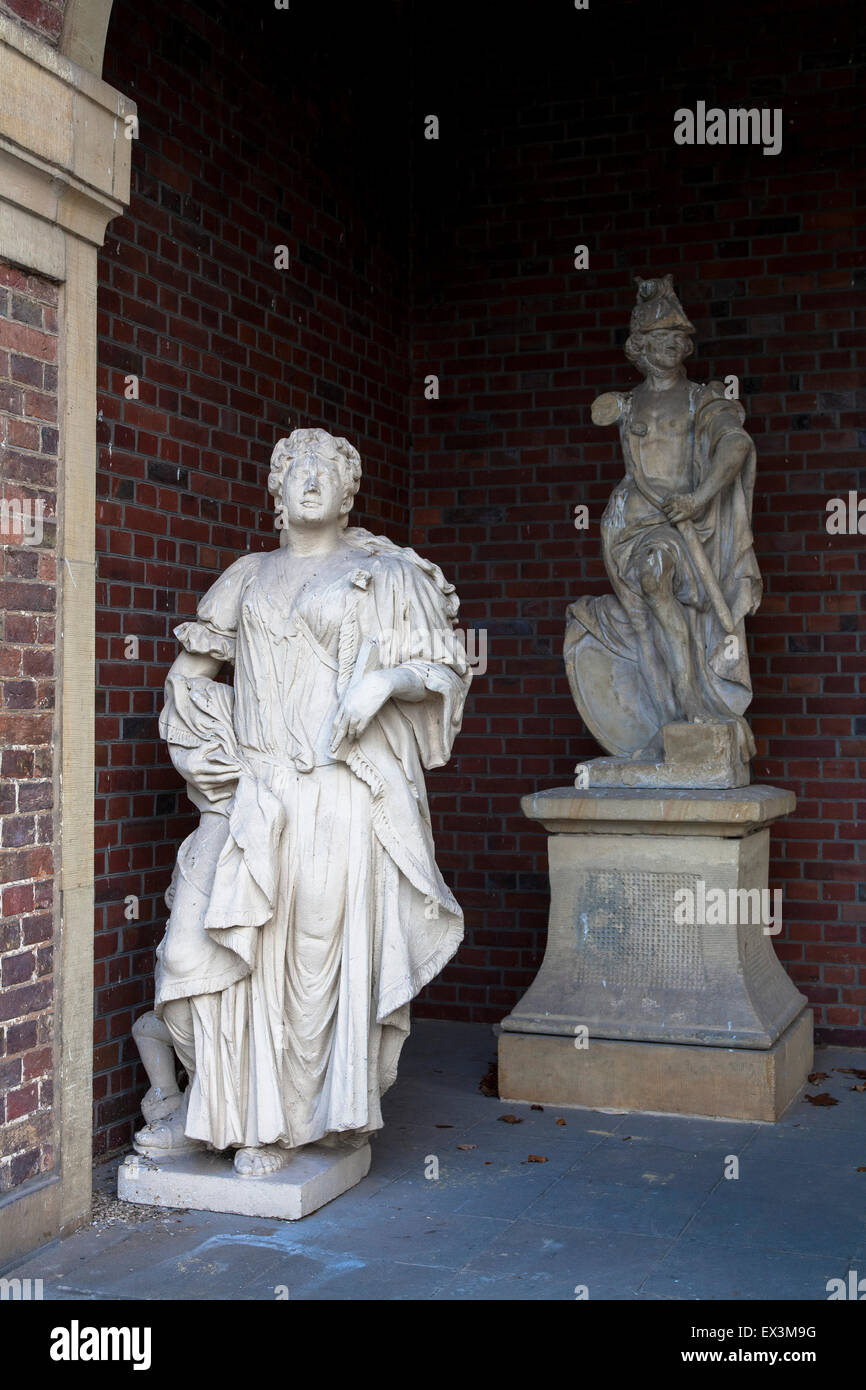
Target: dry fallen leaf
(443, 1126)
(536, 1107)
(511, 1119)
(816, 1076)
(852, 1071)
(861, 1170)
(489, 1083)
(623, 1137)
(536, 1158)
(560, 1121)
(823, 1099)
(488, 1162)
(465, 1147)
(858, 1088)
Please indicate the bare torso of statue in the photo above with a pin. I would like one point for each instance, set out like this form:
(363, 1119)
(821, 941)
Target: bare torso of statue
(662, 430)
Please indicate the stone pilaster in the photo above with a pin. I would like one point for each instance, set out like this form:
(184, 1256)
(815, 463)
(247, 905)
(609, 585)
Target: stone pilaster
(65, 156)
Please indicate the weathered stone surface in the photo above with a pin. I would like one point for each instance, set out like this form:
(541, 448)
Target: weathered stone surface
(696, 756)
(732, 1083)
(208, 1182)
(668, 646)
(628, 811)
(619, 963)
(660, 932)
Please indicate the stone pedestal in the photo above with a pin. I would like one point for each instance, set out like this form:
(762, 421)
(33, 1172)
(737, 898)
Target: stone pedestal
(660, 988)
(207, 1181)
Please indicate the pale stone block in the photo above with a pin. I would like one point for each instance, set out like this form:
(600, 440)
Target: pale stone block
(731, 1083)
(696, 755)
(208, 1182)
(715, 740)
(630, 811)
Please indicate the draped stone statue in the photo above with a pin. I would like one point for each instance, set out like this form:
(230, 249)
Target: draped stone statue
(647, 997)
(659, 668)
(307, 908)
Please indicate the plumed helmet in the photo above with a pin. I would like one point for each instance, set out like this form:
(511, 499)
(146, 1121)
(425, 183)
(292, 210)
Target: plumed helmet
(658, 307)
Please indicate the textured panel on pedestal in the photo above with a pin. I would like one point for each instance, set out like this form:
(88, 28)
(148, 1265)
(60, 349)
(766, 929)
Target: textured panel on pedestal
(630, 936)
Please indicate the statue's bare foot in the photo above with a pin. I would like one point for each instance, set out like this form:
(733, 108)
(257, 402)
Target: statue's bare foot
(258, 1163)
(159, 1104)
(167, 1135)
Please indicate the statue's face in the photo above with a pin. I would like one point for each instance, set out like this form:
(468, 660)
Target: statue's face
(314, 489)
(666, 348)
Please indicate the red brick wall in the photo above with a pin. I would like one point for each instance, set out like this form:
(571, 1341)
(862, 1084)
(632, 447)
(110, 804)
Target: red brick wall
(247, 141)
(28, 475)
(553, 134)
(44, 17)
(563, 135)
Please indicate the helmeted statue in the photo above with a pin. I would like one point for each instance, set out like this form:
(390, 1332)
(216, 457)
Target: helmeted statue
(307, 908)
(667, 648)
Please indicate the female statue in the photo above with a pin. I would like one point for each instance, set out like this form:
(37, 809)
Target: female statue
(307, 908)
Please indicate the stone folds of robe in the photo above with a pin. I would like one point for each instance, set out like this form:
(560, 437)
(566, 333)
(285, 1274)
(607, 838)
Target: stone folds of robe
(307, 909)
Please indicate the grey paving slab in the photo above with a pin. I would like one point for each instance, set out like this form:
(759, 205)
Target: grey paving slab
(701, 1270)
(536, 1288)
(786, 1206)
(650, 1190)
(537, 1131)
(418, 1105)
(677, 1132)
(849, 1112)
(633, 1206)
(508, 1194)
(608, 1265)
(190, 1262)
(411, 1236)
(470, 1184)
(541, 1287)
(843, 1149)
(372, 1279)
(63, 1258)
(403, 1148)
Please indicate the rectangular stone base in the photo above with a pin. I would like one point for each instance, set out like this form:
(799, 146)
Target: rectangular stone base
(732, 1083)
(700, 756)
(207, 1181)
